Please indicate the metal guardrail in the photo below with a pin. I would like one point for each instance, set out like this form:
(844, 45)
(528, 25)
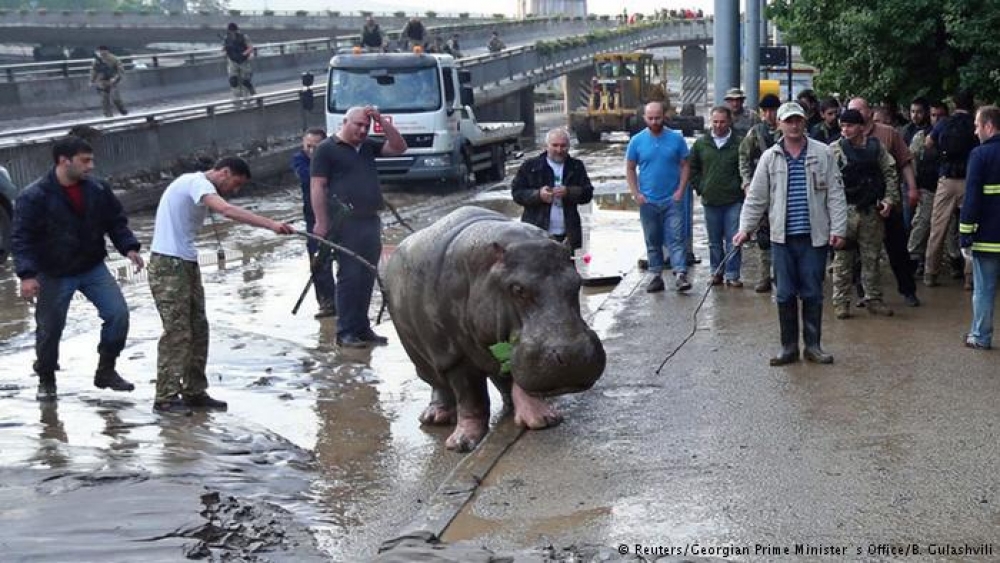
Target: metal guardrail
(77, 67)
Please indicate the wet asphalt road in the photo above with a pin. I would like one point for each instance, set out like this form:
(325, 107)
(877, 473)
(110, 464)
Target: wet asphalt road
(330, 437)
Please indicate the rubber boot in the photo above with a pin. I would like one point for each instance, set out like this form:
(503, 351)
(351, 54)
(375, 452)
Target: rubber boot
(812, 331)
(788, 318)
(107, 377)
(46, 385)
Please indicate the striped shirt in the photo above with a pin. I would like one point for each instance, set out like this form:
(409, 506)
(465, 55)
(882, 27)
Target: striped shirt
(797, 208)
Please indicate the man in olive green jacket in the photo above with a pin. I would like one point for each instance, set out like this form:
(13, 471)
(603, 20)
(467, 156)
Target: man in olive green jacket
(715, 175)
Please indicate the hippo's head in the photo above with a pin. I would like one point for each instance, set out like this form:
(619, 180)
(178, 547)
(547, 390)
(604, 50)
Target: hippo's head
(536, 290)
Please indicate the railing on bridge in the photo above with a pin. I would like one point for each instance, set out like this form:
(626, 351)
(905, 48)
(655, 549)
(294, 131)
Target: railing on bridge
(150, 139)
(78, 67)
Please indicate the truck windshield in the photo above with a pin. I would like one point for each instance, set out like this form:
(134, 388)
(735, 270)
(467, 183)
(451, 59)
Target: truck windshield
(400, 90)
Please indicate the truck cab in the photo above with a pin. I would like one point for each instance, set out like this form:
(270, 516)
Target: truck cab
(429, 100)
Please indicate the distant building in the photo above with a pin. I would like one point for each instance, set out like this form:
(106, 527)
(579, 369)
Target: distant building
(570, 8)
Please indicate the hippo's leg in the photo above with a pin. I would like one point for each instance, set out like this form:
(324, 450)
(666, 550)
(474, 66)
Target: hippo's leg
(532, 412)
(441, 409)
(473, 401)
(503, 383)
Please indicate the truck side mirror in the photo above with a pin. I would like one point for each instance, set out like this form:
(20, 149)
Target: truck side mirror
(467, 97)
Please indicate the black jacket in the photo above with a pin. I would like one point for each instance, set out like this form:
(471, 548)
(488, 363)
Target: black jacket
(536, 173)
(49, 237)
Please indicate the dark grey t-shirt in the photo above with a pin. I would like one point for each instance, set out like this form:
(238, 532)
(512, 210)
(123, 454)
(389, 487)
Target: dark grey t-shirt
(350, 173)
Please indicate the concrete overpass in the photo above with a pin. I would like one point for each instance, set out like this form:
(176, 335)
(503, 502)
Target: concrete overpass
(155, 141)
(135, 30)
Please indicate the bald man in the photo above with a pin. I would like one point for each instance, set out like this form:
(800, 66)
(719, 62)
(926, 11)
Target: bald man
(343, 175)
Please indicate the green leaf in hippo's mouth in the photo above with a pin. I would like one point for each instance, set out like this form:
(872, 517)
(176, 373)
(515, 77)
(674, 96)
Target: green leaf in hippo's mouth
(502, 351)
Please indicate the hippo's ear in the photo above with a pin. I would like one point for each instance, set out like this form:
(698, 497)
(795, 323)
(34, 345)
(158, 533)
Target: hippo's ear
(497, 252)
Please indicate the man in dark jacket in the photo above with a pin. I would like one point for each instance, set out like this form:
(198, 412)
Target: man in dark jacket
(320, 260)
(59, 249)
(550, 186)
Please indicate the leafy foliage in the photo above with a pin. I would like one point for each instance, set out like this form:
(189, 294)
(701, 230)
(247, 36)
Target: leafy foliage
(899, 48)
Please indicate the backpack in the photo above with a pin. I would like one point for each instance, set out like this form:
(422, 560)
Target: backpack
(864, 184)
(955, 141)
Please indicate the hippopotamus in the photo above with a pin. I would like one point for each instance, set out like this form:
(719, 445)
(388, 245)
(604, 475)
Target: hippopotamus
(472, 280)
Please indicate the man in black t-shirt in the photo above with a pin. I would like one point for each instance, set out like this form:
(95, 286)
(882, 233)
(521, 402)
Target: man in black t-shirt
(343, 175)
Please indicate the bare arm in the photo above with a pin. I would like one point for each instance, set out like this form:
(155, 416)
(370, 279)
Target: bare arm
(632, 179)
(236, 213)
(317, 193)
(685, 175)
(394, 142)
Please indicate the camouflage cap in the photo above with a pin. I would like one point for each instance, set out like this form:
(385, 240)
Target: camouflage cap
(734, 94)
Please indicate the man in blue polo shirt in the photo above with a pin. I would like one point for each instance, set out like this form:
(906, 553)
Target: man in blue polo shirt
(657, 171)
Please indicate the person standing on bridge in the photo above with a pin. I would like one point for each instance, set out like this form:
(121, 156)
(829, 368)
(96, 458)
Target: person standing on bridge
(346, 198)
(175, 280)
(414, 34)
(496, 44)
(238, 54)
(105, 75)
(320, 259)
(59, 249)
(550, 187)
(371, 36)
(797, 184)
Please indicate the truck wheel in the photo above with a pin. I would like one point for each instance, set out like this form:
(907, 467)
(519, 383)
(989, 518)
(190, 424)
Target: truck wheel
(5, 226)
(463, 180)
(585, 134)
(498, 168)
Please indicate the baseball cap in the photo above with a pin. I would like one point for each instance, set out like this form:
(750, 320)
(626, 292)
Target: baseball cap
(852, 116)
(770, 101)
(734, 94)
(790, 109)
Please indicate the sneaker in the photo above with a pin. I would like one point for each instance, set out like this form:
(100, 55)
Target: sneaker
(204, 401)
(172, 406)
(46, 388)
(878, 307)
(681, 282)
(763, 286)
(734, 283)
(352, 341)
(105, 379)
(842, 311)
(971, 343)
(655, 285)
(911, 300)
(930, 280)
(717, 280)
(692, 259)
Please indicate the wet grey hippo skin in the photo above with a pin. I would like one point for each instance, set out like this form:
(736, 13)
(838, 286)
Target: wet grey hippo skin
(475, 278)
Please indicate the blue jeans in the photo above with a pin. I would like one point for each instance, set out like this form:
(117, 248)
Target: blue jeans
(985, 269)
(799, 269)
(54, 297)
(662, 224)
(355, 281)
(722, 222)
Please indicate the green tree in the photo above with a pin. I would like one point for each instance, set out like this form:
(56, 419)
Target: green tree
(901, 48)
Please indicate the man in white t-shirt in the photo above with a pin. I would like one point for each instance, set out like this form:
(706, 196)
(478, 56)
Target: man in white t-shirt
(175, 280)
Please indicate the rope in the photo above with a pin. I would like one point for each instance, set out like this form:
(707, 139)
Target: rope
(697, 309)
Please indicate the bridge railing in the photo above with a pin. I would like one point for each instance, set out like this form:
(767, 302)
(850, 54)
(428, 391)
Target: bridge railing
(78, 67)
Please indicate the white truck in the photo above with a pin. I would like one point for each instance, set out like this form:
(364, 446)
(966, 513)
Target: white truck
(430, 101)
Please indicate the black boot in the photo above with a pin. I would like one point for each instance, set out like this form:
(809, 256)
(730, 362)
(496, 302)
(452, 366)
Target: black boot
(46, 386)
(812, 331)
(106, 376)
(788, 317)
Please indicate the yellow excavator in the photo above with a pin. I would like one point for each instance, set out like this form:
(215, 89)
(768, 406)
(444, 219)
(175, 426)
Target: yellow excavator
(621, 84)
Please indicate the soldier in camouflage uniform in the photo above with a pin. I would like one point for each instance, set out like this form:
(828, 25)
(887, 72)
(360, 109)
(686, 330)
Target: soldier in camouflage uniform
(760, 138)
(238, 53)
(743, 119)
(867, 168)
(175, 280)
(106, 74)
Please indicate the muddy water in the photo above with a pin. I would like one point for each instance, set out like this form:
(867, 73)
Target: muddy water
(320, 445)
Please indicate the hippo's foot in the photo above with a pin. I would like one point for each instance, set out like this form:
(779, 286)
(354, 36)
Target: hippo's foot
(532, 412)
(469, 431)
(438, 414)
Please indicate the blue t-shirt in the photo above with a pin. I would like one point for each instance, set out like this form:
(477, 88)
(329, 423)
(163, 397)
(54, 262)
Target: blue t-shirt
(659, 162)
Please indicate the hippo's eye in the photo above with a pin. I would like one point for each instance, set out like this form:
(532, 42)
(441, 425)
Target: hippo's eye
(517, 290)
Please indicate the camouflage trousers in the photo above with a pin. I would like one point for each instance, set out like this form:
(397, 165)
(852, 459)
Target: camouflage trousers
(183, 348)
(111, 99)
(865, 231)
(240, 79)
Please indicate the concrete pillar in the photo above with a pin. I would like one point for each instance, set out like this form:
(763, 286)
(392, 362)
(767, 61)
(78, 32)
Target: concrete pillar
(694, 76)
(763, 21)
(726, 32)
(751, 54)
